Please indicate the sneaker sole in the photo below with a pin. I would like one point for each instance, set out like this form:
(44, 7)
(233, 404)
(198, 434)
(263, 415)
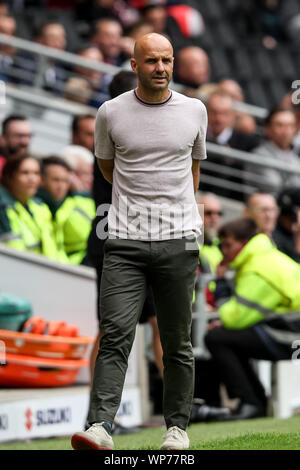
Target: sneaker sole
(83, 443)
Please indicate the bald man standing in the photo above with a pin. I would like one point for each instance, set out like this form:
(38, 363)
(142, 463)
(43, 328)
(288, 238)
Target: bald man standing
(149, 143)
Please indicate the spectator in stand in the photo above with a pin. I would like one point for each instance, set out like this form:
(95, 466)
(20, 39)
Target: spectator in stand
(292, 101)
(221, 131)
(257, 319)
(287, 232)
(263, 209)
(280, 130)
(25, 222)
(83, 127)
(16, 136)
(232, 88)
(107, 36)
(192, 67)
(7, 53)
(81, 162)
(94, 77)
(79, 90)
(221, 120)
(243, 122)
(72, 213)
(51, 34)
(155, 13)
(93, 53)
(210, 253)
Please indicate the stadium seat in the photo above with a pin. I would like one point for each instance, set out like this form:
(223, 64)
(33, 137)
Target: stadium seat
(211, 10)
(262, 65)
(256, 94)
(225, 36)
(220, 65)
(242, 65)
(277, 90)
(284, 63)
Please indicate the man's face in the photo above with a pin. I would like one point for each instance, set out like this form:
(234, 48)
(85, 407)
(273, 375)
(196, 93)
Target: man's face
(220, 114)
(92, 53)
(26, 180)
(85, 134)
(282, 129)
(56, 181)
(263, 209)
(212, 215)
(154, 65)
(8, 27)
(54, 36)
(84, 172)
(232, 88)
(17, 137)
(230, 248)
(108, 39)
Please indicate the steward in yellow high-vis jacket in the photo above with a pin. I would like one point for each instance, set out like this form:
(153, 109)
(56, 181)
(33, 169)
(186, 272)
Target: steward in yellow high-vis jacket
(25, 221)
(210, 255)
(259, 314)
(72, 214)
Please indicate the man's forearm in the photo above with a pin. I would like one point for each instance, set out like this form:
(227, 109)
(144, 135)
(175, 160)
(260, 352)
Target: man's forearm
(196, 174)
(108, 175)
(196, 179)
(107, 169)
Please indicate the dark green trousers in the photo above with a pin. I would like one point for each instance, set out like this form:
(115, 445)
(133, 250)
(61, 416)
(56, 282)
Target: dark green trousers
(170, 267)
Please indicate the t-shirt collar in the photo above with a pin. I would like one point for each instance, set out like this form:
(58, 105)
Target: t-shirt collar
(151, 103)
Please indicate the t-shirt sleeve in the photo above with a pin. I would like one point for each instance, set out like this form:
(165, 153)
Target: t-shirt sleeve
(104, 146)
(199, 148)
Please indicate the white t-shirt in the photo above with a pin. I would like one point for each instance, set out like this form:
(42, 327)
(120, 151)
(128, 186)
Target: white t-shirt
(152, 145)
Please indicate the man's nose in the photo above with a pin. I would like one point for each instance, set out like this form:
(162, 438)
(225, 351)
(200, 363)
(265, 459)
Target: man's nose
(159, 66)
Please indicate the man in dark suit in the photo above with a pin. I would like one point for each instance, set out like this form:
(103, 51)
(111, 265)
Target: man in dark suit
(221, 131)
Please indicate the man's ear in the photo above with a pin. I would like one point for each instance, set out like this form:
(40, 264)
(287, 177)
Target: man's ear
(133, 64)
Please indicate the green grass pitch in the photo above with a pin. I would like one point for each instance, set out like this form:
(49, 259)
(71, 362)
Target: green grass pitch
(257, 434)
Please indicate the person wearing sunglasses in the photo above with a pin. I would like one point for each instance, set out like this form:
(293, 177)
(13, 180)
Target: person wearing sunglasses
(210, 253)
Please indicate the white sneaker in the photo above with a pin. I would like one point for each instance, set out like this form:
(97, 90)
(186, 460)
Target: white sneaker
(175, 439)
(94, 438)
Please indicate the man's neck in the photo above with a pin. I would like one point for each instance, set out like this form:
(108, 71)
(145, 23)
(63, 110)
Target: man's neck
(151, 96)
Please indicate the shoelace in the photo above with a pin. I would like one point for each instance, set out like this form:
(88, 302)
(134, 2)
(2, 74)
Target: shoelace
(94, 428)
(174, 431)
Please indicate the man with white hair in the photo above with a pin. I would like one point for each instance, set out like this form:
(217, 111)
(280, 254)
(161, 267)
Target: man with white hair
(81, 161)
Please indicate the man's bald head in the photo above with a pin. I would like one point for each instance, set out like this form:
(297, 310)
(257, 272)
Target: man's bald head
(193, 67)
(150, 41)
